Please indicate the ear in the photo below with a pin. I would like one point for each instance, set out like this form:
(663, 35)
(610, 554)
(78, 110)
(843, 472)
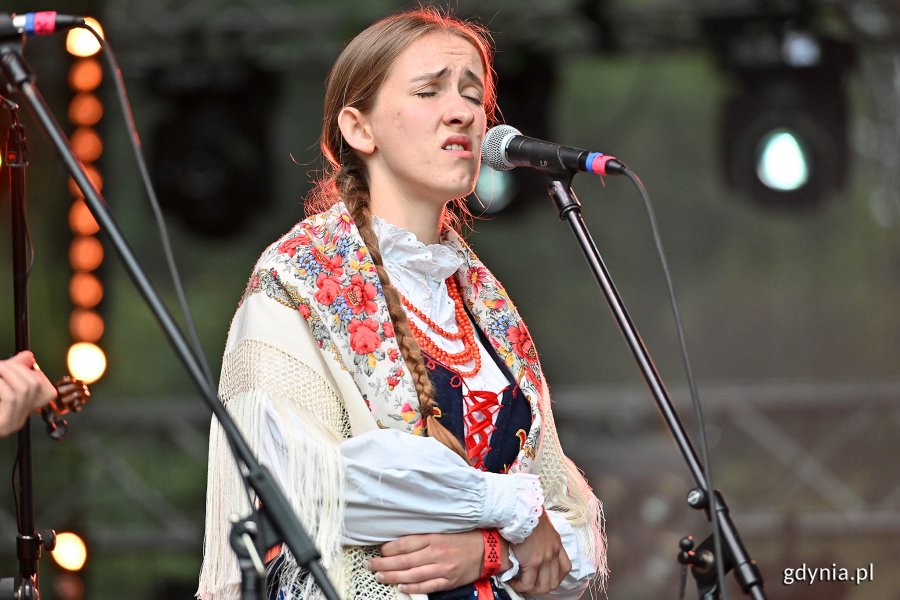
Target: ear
(356, 130)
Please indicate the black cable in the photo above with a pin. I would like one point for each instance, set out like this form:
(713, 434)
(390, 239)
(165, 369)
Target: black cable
(135, 143)
(695, 397)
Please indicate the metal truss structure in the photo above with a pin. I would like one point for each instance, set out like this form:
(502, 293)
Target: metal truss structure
(821, 446)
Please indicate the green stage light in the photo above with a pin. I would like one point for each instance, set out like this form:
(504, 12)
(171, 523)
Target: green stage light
(783, 162)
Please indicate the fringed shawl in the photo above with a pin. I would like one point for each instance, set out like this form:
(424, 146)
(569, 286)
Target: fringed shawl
(325, 349)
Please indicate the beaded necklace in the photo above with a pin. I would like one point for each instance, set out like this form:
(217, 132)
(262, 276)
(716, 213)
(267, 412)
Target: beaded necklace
(465, 333)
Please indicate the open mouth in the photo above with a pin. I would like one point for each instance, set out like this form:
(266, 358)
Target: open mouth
(457, 143)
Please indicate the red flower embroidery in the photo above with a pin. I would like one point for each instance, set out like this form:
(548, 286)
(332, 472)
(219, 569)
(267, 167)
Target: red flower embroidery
(304, 311)
(389, 330)
(329, 289)
(332, 264)
(392, 381)
(476, 277)
(393, 353)
(345, 223)
(364, 336)
(290, 245)
(359, 296)
(522, 344)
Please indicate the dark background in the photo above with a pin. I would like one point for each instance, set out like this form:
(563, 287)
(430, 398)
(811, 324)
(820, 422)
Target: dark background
(790, 311)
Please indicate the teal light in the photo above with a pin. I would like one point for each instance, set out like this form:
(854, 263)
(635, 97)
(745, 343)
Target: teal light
(494, 191)
(783, 163)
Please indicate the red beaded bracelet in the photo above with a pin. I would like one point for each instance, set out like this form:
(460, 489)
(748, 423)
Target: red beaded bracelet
(491, 553)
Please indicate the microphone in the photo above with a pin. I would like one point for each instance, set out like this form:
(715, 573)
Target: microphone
(45, 22)
(505, 148)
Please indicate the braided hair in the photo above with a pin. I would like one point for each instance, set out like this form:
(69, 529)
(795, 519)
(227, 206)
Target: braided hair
(354, 81)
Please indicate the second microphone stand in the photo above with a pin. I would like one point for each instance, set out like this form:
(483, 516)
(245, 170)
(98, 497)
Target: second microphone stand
(746, 571)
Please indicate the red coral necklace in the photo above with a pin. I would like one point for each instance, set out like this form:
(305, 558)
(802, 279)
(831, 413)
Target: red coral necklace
(464, 332)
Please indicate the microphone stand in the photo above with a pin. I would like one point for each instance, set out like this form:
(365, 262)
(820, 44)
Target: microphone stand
(746, 571)
(275, 514)
(29, 543)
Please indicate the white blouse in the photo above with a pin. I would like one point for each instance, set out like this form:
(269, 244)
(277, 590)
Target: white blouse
(394, 481)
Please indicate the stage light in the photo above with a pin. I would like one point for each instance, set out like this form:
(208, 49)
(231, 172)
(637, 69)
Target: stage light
(86, 144)
(85, 75)
(85, 109)
(783, 162)
(86, 361)
(81, 221)
(93, 176)
(784, 124)
(81, 42)
(785, 138)
(85, 290)
(85, 253)
(70, 552)
(494, 191)
(86, 325)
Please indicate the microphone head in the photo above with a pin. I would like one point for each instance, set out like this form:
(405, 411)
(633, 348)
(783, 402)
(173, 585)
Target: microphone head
(493, 147)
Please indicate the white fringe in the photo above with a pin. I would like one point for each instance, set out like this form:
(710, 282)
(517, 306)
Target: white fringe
(314, 489)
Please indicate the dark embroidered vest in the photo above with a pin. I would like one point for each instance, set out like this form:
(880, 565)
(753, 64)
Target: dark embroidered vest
(513, 422)
(513, 419)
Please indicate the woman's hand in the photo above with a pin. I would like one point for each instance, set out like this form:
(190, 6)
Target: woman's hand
(23, 389)
(421, 564)
(543, 562)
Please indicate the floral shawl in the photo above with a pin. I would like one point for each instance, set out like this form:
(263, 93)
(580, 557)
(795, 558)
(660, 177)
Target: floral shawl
(322, 269)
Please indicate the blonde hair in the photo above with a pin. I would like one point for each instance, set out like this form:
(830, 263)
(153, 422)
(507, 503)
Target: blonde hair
(354, 81)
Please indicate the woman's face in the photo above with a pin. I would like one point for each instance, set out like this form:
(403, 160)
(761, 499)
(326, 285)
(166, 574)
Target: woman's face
(428, 122)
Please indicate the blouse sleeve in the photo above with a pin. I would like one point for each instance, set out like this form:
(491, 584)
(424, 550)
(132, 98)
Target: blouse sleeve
(397, 484)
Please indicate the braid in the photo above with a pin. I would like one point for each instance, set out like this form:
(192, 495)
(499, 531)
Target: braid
(351, 185)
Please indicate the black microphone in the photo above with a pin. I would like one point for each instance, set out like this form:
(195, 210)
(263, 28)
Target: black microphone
(45, 22)
(505, 148)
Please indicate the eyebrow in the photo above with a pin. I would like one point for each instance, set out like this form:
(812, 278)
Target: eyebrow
(468, 76)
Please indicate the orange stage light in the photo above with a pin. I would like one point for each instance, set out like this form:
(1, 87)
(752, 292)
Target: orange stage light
(86, 325)
(81, 221)
(86, 144)
(85, 290)
(85, 253)
(85, 75)
(85, 109)
(93, 176)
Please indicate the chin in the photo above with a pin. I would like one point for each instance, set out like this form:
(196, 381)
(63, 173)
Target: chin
(463, 188)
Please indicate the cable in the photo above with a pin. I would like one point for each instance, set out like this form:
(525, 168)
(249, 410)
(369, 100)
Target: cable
(695, 397)
(135, 142)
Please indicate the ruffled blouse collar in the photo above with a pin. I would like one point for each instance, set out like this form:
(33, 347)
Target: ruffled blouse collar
(401, 249)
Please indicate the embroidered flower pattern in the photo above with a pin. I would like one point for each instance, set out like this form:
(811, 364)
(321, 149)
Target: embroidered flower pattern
(475, 276)
(359, 295)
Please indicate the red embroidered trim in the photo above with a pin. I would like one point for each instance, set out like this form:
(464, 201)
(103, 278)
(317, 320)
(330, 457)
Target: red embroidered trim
(479, 420)
(483, 590)
(491, 553)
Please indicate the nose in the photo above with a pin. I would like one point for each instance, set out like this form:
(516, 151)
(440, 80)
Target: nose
(460, 112)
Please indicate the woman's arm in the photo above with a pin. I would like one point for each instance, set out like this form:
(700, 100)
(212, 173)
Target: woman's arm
(398, 484)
